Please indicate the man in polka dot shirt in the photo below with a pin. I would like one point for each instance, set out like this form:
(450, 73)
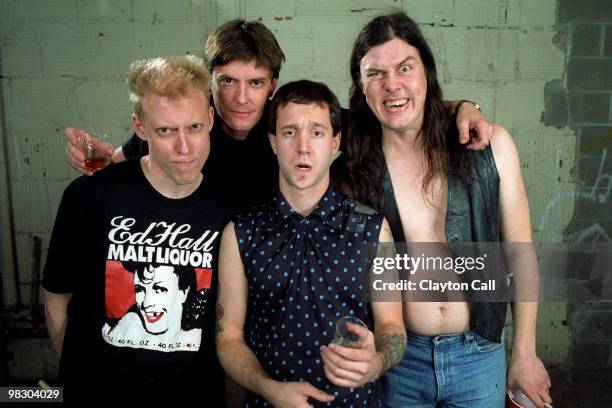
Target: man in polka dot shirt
(291, 267)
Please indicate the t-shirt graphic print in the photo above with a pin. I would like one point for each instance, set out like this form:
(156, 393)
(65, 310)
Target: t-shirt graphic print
(157, 284)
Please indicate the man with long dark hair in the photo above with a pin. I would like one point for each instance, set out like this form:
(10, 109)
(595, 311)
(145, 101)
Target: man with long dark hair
(244, 60)
(404, 161)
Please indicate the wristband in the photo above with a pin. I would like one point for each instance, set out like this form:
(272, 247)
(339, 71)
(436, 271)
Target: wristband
(461, 102)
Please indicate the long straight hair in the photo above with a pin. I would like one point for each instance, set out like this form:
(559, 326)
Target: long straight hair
(366, 162)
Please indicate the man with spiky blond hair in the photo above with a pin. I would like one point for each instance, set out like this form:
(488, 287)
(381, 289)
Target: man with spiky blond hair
(244, 60)
(160, 213)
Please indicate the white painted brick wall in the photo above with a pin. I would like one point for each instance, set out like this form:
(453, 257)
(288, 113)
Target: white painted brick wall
(477, 13)
(63, 63)
(270, 9)
(531, 14)
(537, 58)
(104, 11)
(21, 50)
(149, 10)
(31, 11)
(431, 12)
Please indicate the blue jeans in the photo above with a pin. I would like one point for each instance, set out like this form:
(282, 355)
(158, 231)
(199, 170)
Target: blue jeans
(449, 370)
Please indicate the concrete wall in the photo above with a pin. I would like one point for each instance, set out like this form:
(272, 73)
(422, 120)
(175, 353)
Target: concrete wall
(581, 101)
(63, 63)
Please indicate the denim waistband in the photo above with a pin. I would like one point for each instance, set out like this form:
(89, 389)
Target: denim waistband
(440, 339)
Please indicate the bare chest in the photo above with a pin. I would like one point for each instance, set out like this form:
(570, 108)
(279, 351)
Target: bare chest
(422, 213)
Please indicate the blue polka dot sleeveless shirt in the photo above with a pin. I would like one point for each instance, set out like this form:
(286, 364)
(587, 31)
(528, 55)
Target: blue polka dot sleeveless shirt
(303, 274)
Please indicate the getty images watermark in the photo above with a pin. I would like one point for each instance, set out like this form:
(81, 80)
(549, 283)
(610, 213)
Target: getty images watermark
(432, 264)
(491, 272)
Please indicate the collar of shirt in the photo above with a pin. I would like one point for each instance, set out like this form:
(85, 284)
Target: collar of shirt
(327, 211)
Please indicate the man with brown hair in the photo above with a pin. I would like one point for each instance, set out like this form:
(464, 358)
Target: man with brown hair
(161, 211)
(244, 60)
(290, 268)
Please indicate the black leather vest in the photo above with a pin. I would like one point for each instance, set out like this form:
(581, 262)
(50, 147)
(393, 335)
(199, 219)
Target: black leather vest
(472, 216)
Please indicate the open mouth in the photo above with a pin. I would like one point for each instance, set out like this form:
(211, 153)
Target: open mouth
(153, 317)
(396, 103)
(303, 167)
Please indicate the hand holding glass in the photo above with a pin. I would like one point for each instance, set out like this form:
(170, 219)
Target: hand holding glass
(93, 146)
(345, 332)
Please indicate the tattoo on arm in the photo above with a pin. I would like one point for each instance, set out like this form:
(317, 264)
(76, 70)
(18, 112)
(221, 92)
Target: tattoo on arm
(392, 347)
(219, 316)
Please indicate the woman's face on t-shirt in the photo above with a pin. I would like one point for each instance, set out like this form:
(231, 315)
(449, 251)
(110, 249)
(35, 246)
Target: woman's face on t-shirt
(159, 299)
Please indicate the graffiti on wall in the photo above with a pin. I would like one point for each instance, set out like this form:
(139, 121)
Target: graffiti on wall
(598, 195)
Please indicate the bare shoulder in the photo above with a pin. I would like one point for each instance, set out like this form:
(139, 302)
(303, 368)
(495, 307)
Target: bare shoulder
(500, 137)
(229, 229)
(504, 150)
(229, 246)
(230, 261)
(228, 236)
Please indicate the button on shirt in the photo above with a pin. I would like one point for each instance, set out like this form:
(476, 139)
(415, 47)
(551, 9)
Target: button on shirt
(303, 274)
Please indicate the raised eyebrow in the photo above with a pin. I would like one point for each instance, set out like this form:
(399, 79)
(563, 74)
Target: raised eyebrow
(318, 125)
(402, 62)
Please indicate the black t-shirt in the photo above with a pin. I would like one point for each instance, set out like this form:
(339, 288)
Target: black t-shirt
(143, 272)
(245, 170)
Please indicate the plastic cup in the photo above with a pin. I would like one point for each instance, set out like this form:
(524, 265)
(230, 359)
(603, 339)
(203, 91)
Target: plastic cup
(518, 399)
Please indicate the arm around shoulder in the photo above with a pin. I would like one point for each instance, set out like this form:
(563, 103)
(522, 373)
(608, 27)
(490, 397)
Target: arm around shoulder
(472, 125)
(118, 155)
(76, 153)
